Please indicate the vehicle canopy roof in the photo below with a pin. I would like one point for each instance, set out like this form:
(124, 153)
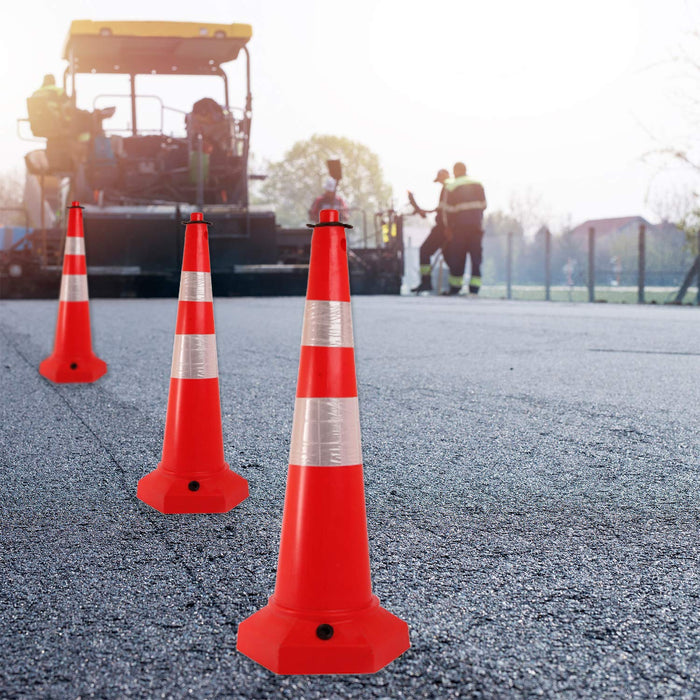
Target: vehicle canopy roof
(187, 48)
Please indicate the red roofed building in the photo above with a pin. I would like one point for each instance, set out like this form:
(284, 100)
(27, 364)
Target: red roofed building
(617, 225)
(616, 246)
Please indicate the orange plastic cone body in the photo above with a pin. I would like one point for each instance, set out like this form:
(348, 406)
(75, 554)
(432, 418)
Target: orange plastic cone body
(192, 476)
(72, 359)
(323, 617)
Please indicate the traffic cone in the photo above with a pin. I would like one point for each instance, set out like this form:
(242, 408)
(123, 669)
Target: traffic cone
(323, 617)
(72, 359)
(192, 476)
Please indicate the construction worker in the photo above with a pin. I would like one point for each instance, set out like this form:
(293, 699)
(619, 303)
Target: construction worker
(52, 106)
(54, 114)
(465, 202)
(329, 200)
(50, 90)
(437, 238)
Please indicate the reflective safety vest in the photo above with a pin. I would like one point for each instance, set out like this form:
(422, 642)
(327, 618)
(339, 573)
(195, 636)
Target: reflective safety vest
(465, 202)
(52, 91)
(52, 99)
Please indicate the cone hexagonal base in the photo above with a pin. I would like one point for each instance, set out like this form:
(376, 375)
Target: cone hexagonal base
(287, 642)
(216, 492)
(72, 370)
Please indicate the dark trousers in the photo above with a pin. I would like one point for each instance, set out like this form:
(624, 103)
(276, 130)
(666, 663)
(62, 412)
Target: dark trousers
(433, 243)
(466, 241)
(452, 250)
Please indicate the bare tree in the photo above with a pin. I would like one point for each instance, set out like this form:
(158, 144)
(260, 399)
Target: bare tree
(529, 209)
(679, 203)
(685, 152)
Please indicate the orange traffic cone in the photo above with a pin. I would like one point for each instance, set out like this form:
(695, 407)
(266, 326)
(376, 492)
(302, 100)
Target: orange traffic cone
(192, 476)
(73, 359)
(323, 617)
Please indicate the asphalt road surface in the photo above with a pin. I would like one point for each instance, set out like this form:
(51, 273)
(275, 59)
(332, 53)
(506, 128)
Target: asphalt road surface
(533, 490)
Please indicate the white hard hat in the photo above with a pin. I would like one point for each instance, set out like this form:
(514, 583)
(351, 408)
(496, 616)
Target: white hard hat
(329, 184)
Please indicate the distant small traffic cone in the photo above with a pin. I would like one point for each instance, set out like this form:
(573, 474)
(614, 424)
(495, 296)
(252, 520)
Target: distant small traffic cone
(192, 476)
(323, 617)
(72, 359)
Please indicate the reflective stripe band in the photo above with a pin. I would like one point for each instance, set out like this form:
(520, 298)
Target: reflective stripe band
(75, 245)
(328, 324)
(455, 281)
(464, 206)
(475, 282)
(194, 357)
(326, 433)
(425, 269)
(73, 288)
(195, 286)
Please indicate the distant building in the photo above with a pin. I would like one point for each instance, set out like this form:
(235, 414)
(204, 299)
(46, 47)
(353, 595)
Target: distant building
(618, 225)
(616, 239)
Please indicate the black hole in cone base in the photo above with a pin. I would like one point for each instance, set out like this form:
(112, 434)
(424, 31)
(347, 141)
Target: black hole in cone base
(74, 365)
(324, 632)
(193, 486)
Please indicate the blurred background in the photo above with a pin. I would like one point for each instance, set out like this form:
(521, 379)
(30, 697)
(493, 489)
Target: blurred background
(574, 116)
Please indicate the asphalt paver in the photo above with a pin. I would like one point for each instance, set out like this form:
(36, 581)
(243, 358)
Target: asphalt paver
(533, 492)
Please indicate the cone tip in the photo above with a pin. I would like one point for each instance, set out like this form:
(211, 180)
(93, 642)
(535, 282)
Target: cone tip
(328, 215)
(196, 217)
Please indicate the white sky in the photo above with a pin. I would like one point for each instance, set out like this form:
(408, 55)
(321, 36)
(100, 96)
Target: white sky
(546, 99)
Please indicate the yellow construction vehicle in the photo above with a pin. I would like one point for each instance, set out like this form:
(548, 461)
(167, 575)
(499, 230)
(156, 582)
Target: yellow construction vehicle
(139, 176)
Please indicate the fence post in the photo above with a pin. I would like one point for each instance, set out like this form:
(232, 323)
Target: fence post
(509, 266)
(591, 264)
(547, 264)
(697, 281)
(642, 263)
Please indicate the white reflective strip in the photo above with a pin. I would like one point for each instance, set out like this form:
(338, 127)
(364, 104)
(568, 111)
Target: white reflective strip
(73, 288)
(326, 433)
(465, 206)
(195, 286)
(327, 323)
(75, 245)
(194, 357)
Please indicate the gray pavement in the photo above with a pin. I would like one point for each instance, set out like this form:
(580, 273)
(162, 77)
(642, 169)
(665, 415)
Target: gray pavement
(533, 489)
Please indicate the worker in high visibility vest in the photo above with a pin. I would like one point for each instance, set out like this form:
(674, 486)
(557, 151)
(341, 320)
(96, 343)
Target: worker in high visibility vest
(54, 99)
(54, 106)
(50, 89)
(436, 239)
(465, 202)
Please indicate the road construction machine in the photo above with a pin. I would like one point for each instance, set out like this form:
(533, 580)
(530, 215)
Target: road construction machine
(141, 165)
